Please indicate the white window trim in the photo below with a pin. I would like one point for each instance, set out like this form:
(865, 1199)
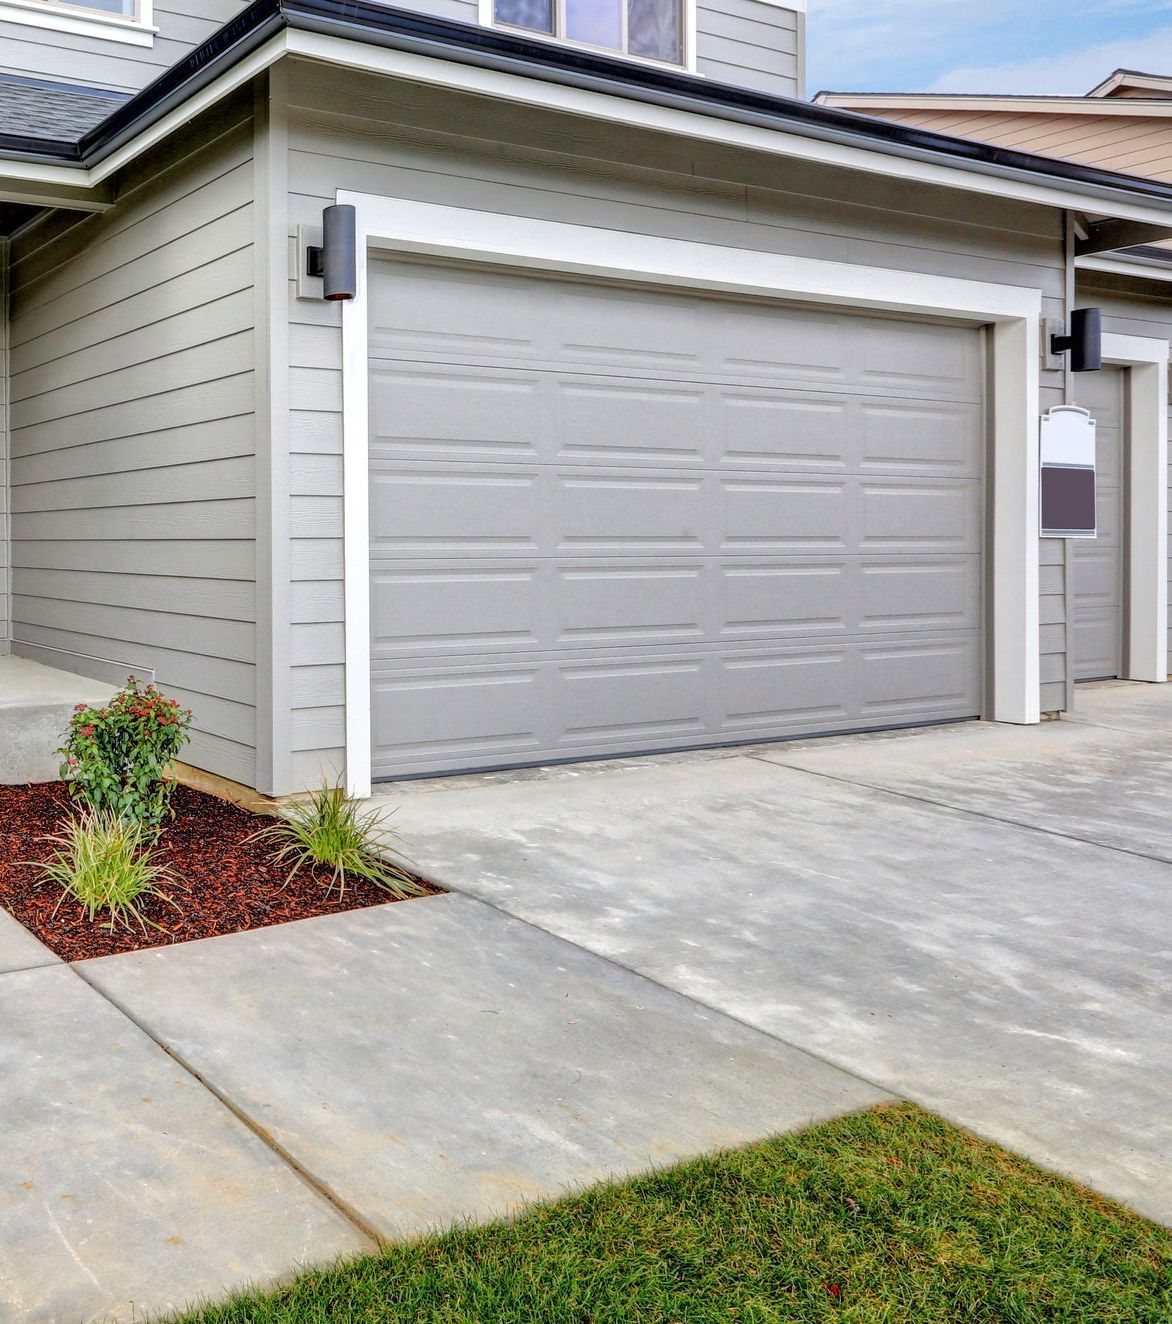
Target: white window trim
(1013, 312)
(80, 22)
(688, 64)
(1146, 498)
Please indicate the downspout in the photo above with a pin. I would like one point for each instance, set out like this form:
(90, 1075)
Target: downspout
(1070, 238)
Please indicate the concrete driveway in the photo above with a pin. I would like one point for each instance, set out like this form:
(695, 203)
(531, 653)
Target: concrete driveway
(974, 917)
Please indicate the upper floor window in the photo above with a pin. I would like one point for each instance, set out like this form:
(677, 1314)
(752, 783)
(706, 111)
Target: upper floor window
(125, 8)
(119, 20)
(649, 29)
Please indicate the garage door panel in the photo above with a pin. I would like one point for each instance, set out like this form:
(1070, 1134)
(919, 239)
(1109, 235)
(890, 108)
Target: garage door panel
(918, 359)
(1108, 454)
(629, 512)
(793, 515)
(930, 437)
(780, 598)
(1096, 633)
(463, 608)
(435, 312)
(490, 414)
(421, 610)
(631, 702)
(465, 414)
(767, 693)
(920, 515)
(902, 595)
(646, 520)
(609, 421)
(1109, 518)
(455, 511)
(912, 678)
(606, 605)
(1096, 584)
(475, 716)
(516, 509)
(458, 719)
(1097, 572)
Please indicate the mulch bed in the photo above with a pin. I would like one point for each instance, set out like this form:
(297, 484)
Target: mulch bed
(231, 884)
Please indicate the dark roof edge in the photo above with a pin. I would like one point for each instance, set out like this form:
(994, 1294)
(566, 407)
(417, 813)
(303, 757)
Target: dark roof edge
(378, 24)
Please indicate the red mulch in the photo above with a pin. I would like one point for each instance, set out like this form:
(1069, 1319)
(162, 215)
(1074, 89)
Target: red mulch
(231, 884)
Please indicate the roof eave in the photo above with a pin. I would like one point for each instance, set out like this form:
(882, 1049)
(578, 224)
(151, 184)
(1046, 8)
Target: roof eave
(373, 24)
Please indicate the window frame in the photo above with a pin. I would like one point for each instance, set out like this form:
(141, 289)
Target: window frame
(77, 19)
(687, 35)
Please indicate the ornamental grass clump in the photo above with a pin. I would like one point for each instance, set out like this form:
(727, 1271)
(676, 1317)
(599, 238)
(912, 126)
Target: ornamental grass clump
(116, 756)
(330, 830)
(105, 864)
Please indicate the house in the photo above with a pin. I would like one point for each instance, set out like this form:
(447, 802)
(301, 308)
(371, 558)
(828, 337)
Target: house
(670, 409)
(1123, 123)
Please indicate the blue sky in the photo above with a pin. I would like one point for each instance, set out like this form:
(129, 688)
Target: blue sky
(983, 45)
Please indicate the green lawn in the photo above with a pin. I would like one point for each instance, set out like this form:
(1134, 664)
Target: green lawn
(891, 1215)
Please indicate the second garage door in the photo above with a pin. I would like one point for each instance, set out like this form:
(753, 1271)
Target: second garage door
(608, 519)
(1097, 573)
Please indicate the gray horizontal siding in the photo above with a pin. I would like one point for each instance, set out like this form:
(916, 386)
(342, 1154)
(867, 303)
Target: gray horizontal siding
(100, 62)
(1052, 617)
(133, 435)
(750, 43)
(563, 169)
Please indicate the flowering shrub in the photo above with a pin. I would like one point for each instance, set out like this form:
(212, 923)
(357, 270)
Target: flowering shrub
(116, 756)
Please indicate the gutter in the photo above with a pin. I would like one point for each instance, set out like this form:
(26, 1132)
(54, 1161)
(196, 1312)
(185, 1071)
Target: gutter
(375, 24)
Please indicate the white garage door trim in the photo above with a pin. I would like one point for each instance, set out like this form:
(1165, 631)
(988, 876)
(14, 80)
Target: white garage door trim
(1013, 313)
(1146, 500)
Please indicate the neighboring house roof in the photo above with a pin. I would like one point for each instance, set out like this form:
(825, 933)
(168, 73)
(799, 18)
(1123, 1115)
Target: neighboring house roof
(34, 108)
(1124, 124)
(1133, 83)
(473, 45)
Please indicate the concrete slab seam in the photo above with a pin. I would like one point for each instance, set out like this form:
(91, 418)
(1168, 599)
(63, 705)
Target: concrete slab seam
(303, 1174)
(964, 810)
(455, 888)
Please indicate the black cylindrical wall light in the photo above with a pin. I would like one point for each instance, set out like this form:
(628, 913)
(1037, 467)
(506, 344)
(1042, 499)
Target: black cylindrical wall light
(1085, 341)
(340, 261)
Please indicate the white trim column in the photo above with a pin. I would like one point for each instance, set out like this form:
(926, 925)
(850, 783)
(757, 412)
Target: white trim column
(1146, 498)
(399, 226)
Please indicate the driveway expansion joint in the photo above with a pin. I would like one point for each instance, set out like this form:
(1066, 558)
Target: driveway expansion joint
(303, 1174)
(645, 978)
(964, 810)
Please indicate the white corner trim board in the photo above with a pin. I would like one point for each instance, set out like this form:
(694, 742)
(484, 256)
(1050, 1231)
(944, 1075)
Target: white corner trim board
(1146, 497)
(1013, 313)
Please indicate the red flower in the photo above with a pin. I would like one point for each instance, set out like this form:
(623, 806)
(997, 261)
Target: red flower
(79, 707)
(88, 730)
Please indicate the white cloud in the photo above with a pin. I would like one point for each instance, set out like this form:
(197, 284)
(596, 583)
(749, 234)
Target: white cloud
(1070, 72)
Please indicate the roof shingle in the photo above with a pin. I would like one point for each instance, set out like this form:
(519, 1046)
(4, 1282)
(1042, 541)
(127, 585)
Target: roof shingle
(33, 108)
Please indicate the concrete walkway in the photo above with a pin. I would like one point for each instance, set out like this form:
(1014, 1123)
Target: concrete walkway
(36, 703)
(183, 1121)
(649, 959)
(975, 917)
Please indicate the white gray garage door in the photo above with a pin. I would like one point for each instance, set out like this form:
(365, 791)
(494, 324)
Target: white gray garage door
(608, 519)
(1097, 573)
